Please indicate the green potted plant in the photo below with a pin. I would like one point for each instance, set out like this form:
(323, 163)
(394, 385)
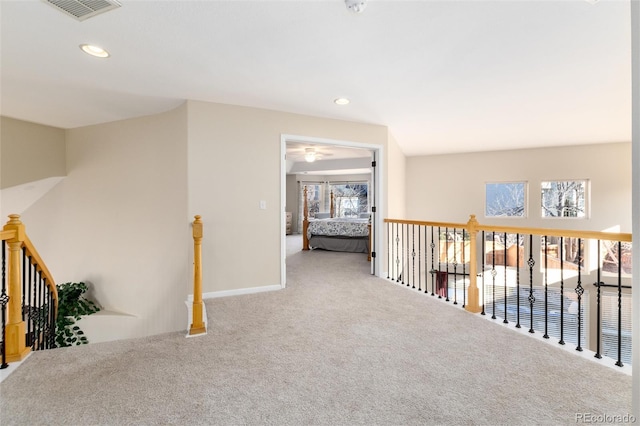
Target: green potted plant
(72, 304)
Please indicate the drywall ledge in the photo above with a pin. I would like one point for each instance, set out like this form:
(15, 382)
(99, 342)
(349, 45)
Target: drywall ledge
(107, 326)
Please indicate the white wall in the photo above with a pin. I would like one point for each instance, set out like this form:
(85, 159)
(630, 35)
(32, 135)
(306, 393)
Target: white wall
(119, 221)
(451, 187)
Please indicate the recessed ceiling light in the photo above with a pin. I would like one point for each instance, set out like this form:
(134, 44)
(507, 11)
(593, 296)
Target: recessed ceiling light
(341, 101)
(93, 50)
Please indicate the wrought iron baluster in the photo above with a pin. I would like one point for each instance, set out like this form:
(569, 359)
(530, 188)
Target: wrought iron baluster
(38, 325)
(405, 250)
(484, 254)
(562, 290)
(50, 321)
(44, 311)
(419, 260)
(619, 362)
(493, 274)
(505, 320)
(455, 267)
(403, 270)
(407, 266)
(438, 274)
(45, 316)
(30, 302)
(397, 253)
(40, 313)
(546, 286)
(531, 298)
(432, 270)
(413, 256)
(34, 308)
(24, 278)
(579, 292)
(464, 275)
(518, 281)
(446, 258)
(598, 308)
(33, 304)
(4, 299)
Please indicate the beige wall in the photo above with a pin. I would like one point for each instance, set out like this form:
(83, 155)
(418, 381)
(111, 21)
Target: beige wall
(119, 221)
(29, 152)
(121, 218)
(451, 187)
(234, 163)
(396, 193)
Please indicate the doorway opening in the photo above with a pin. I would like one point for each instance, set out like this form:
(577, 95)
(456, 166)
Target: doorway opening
(329, 166)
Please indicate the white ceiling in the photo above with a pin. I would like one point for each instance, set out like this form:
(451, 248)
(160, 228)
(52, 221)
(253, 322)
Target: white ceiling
(444, 76)
(330, 159)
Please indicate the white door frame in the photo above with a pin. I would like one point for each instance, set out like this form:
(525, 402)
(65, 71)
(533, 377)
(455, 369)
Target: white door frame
(379, 193)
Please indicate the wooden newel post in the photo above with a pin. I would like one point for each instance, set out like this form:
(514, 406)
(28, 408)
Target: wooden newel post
(305, 221)
(473, 299)
(15, 330)
(197, 324)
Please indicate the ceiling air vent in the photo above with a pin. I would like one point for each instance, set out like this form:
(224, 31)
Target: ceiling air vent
(83, 9)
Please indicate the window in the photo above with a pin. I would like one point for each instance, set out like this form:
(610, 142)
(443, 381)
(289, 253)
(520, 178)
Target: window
(506, 199)
(564, 198)
(350, 199)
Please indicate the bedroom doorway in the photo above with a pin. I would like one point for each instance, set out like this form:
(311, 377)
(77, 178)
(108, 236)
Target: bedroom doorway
(336, 165)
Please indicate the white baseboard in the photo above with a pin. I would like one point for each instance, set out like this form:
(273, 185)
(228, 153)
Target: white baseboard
(237, 292)
(240, 291)
(223, 293)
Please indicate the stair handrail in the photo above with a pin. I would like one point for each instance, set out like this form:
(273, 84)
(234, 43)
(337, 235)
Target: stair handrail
(14, 233)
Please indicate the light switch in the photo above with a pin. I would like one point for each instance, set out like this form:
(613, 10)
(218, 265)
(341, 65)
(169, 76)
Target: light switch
(263, 205)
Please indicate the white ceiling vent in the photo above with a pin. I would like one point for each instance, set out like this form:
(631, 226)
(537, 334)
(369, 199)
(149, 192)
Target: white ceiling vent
(83, 9)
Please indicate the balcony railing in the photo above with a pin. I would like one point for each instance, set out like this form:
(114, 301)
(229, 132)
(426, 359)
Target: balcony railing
(572, 286)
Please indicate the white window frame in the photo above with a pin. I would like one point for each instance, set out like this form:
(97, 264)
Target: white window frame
(525, 200)
(587, 197)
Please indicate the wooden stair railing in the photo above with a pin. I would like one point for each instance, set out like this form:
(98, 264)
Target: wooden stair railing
(22, 266)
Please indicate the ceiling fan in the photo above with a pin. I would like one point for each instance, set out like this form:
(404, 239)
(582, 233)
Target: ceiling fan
(308, 154)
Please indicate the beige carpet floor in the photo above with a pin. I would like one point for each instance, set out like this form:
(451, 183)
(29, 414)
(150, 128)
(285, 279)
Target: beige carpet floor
(336, 347)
